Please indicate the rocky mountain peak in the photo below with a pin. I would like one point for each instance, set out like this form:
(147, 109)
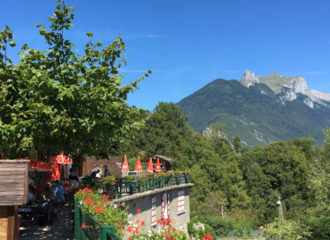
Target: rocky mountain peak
(286, 87)
(249, 78)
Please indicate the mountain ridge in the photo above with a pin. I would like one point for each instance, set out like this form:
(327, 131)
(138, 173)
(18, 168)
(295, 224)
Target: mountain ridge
(256, 113)
(292, 85)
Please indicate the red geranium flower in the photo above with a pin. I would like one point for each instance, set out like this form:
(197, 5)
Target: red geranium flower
(138, 211)
(83, 225)
(142, 223)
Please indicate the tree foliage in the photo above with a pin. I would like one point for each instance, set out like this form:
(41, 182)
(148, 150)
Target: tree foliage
(57, 99)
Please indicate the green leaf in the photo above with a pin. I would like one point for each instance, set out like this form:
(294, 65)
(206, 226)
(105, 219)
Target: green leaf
(12, 43)
(89, 34)
(71, 9)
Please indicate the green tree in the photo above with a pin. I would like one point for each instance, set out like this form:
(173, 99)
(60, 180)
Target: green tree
(237, 144)
(57, 100)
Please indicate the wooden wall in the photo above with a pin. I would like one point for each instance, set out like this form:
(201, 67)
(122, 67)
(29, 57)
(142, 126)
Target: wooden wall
(88, 165)
(14, 182)
(7, 222)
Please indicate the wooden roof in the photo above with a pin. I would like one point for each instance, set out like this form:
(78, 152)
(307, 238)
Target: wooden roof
(161, 157)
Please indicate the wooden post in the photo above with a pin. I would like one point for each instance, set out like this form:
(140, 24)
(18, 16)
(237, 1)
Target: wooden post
(222, 212)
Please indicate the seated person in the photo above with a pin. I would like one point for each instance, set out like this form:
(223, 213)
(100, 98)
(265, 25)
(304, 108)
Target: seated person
(48, 193)
(45, 207)
(31, 198)
(96, 173)
(58, 192)
(106, 171)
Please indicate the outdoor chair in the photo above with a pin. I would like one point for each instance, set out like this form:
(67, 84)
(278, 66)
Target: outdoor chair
(29, 217)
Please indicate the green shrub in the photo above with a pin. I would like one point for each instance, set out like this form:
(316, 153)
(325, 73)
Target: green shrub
(219, 225)
(200, 232)
(286, 230)
(320, 227)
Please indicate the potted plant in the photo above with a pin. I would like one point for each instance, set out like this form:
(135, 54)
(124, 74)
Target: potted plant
(142, 182)
(186, 175)
(169, 175)
(177, 176)
(109, 183)
(131, 182)
(152, 180)
(162, 176)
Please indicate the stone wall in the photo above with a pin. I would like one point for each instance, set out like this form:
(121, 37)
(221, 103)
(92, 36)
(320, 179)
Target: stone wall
(143, 202)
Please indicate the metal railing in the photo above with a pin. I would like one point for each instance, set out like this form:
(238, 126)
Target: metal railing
(93, 229)
(123, 187)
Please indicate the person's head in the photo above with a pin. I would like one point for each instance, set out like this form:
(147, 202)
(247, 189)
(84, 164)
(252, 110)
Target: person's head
(98, 170)
(39, 196)
(31, 189)
(47, 189)
(105, 167)
(72, 172)
(57, 182)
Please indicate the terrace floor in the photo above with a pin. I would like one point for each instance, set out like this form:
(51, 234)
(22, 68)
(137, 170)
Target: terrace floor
(51, 232)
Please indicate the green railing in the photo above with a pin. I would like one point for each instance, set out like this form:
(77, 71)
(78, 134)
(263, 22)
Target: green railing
(132, 187)
(93, 229)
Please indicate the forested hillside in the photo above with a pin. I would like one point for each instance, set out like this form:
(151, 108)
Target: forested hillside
(246, 184)
(256, 114)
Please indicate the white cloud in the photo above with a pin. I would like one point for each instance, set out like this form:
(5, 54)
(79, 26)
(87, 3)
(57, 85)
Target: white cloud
(153, 36)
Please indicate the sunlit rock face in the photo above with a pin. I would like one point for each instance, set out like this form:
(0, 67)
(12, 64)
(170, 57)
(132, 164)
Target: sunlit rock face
(249, 78)
(287, 88)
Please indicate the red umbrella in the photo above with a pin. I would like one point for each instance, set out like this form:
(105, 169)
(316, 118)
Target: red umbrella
(61, 159)
(150, 166)
(56, 173)
(138, 167)
(158, 169)
(33, 164)
(125, 165)
(44, 167)
(38, 165)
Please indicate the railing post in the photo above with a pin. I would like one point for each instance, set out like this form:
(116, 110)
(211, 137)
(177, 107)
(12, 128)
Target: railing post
(77, 230)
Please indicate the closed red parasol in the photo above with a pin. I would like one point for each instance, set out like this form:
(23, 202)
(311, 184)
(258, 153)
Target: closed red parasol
(158, 169)
(138, 167)
(125, 165)
(150, 166)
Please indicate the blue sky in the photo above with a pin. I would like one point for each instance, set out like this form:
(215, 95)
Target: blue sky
(188, 44)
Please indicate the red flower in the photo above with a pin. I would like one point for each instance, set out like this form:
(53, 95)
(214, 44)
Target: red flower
(174, 229)
(129, 229)
(120, 225)
(142, 223)
(138, 211)
(129, 238)
(136, 230)
(84, 194)
(83, 225)
(137, 221)
(207, 237)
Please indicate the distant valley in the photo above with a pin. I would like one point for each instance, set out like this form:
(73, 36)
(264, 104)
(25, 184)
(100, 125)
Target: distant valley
(260, 109)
